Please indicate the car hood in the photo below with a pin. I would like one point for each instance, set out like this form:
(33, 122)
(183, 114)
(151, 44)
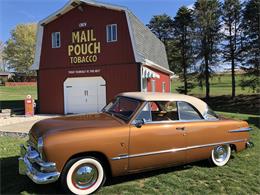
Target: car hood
(84, 122)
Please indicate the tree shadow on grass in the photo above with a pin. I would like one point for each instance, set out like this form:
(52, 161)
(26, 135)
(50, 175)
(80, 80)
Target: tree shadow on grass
(156, 172)
(13, 183)
(243, 104)
(254, 120)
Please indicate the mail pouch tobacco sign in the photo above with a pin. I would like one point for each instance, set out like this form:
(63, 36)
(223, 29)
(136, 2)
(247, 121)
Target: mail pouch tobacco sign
(84, 47)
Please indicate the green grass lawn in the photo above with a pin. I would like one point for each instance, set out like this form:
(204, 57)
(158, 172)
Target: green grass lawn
(219, 85)
(240, 176)
(17, 92)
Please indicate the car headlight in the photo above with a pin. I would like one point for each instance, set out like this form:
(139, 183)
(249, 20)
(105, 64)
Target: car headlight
(40, 145)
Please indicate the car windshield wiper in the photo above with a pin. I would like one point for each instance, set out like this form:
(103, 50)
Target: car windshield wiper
(105, 111)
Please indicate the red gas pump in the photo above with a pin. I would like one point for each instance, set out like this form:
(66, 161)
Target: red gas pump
(29, 106)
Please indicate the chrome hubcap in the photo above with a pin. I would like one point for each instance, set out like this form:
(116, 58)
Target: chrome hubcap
(85, 176)
(220, 153)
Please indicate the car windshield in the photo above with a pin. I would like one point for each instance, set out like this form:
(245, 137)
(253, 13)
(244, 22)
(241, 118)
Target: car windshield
(122, 107)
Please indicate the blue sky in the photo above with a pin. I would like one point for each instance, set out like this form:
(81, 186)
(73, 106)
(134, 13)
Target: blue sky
(13, 12)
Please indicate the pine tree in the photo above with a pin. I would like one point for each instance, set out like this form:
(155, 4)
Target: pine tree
(183, 22)
(207, 36)
(232, 30)
(162, 27)
(251, 44)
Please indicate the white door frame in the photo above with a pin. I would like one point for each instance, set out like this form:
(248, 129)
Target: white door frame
(65, 91)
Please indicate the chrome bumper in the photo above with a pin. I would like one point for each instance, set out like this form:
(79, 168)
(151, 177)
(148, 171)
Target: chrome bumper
(249, 144)
(35, 168)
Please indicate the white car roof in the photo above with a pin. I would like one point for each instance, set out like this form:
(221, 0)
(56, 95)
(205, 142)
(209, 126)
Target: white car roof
(200, 105)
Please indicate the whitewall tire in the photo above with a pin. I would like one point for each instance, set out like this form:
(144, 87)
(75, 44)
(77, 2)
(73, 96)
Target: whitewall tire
(84, 175)
(220, 155)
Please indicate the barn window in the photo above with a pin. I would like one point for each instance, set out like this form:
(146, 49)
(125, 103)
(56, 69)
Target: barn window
(153, 85)
(55, 39)
(111, 32)
(163, 87)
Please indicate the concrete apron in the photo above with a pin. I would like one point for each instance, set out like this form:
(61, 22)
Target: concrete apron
(22, 126)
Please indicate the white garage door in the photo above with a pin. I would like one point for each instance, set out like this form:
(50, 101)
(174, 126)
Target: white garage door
(84, 95)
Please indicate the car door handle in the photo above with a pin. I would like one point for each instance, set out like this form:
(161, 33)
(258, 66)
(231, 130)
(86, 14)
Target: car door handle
(180, 128)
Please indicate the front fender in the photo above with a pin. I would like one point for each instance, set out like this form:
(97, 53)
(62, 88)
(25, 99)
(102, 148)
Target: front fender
(61, 146)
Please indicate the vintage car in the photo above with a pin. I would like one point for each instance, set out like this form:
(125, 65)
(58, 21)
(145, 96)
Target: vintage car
(138, 131)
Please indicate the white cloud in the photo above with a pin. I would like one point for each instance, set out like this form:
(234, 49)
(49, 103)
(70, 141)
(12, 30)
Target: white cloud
(190, 6)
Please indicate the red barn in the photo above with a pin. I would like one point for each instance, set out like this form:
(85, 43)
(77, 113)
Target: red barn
(87, 52)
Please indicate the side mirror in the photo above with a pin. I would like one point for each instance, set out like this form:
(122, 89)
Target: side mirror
(139, 123)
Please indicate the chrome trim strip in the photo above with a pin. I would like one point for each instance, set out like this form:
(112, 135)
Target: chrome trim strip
(240, 130)
(181, 121)
(175, 150)
(120, 157)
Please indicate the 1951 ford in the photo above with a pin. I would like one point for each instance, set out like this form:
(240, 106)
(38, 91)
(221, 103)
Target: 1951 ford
(136, 132)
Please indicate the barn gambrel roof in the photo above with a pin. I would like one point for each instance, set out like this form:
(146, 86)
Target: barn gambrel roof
(148, 49)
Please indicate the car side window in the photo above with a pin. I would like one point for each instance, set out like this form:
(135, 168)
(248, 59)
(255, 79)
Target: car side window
(167, 111)
(187, 112)
(154, 106)
(145, 113)
(159, 111)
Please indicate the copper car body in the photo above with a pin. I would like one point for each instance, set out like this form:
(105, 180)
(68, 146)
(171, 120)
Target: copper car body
(125, 145)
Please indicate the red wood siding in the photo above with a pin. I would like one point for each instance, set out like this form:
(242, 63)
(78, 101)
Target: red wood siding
(158, 82)
(115, 63)
(119, 78)
(119, 52)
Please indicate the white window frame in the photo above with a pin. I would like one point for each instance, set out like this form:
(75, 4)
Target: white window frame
(109, 32)
(54, 40)
(144, 85)
(153, 85)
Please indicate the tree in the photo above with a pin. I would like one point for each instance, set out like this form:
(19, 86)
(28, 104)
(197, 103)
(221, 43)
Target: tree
(183, 22)
(207, 34)
(174, 56)
(251, 43)
(19, 50)
(232, 23)
(162, 27)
